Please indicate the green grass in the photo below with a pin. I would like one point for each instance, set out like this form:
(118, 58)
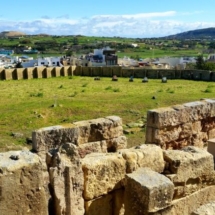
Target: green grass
(26, 105)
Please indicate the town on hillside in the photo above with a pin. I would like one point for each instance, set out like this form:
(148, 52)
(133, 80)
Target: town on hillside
(18, 50)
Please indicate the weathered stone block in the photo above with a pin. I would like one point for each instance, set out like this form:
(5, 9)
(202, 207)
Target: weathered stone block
(211, 103)
(180, 114)
(147, 191)
(207, 209)
(21, 184)
(188, 163)
(197, 110)
(66, 179)
(211, 134)
(189, 203)
(115, 144)
(88, 148)
(119, 202)
(102, 174)
(102, 205)
(78, 133)
(143, 156)
(162, 117)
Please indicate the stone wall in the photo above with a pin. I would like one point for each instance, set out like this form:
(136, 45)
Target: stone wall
(106, 71)
(85, 168)
(182, 125)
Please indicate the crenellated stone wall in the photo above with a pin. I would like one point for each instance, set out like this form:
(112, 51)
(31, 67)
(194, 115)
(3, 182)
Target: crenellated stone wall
(106, 71)
(85, 168)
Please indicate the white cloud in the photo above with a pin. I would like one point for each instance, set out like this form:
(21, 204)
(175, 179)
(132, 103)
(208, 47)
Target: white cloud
(136, 25)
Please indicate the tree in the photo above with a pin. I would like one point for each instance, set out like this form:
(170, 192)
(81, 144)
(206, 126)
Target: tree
(209, 66)
(75, 41)
(200, 63)
(19, 65)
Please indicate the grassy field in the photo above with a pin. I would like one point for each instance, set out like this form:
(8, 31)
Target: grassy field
(26, 105)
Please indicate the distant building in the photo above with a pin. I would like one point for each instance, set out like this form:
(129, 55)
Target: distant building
(102, 57)
(30, 51)
(43, 61)
(211, 58)
(6, 52)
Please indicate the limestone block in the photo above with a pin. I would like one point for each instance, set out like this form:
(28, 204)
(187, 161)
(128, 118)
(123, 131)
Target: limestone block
(19, 73)
(66, 179)
(21, 184)
(168, 116)
(191, 203)
(143, 156)
(87, 148)
(196, 127)
(211, 103)
(78, 133)
(189, 163)
(99, 129)
(208, 124)
(207, 209)
(211, 146)
(52, 137)
(167, 134)
(102, 174)
(119, 202)
(30, 73)
(150, 134)
(199, 139)
(8, 74)
(102, 205)
(147, 191)
(211, 134)
(197, 110)
(57, 71)
(115, 144)
(180, 114)
(48, 72)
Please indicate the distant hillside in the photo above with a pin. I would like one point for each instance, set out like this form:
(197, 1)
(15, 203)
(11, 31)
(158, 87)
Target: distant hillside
(205, 33)
(11, 34)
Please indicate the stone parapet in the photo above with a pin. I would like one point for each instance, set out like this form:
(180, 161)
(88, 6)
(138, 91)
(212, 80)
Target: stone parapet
(77, 133)
(181, 125)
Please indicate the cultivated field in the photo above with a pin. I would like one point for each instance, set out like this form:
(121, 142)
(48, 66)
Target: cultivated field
(26, 105)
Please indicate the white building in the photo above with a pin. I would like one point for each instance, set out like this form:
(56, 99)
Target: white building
(43, 61)
(102, 57)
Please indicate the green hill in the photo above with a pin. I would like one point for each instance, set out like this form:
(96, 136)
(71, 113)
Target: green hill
(206, 33)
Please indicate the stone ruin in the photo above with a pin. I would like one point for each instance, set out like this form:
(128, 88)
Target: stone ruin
(85, 168)
(182, 125)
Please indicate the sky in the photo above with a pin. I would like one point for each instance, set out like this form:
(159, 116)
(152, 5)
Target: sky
(134, 19)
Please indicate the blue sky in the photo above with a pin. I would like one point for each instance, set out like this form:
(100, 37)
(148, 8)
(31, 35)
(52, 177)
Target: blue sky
(139, 18)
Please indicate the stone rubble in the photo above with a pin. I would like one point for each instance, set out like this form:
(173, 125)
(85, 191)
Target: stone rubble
(85, 168)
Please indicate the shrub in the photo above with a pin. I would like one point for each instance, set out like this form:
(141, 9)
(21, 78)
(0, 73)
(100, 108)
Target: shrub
(84, 85)
(116, 90)
(36, 94)
(108, 88)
